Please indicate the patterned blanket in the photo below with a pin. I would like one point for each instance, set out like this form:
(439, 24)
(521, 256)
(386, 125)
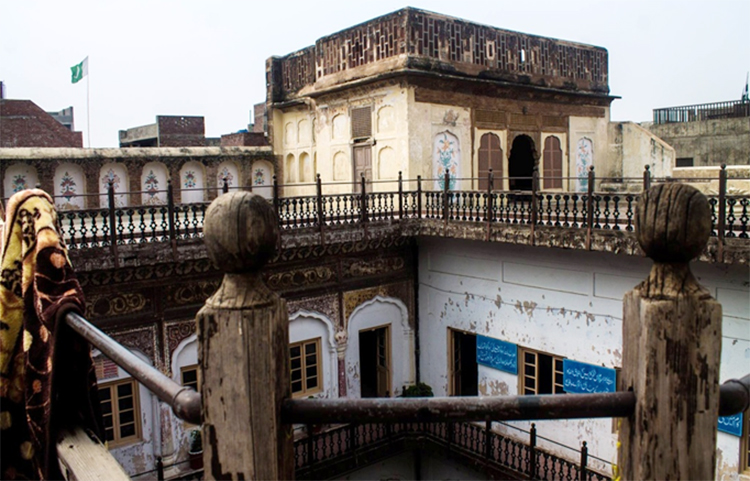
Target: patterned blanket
(40, 356)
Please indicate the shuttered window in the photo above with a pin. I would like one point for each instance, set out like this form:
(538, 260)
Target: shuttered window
(553, 168)
(361, 122)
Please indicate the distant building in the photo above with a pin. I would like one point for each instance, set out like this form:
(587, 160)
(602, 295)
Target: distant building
(25, 124)
(707, 134)
(65, 117)
(167, 131)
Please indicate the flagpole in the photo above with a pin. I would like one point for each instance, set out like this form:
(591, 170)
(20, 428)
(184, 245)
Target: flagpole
(88, 111)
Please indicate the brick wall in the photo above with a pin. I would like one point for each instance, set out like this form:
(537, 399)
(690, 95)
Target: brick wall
(24, 124)
(180, 131)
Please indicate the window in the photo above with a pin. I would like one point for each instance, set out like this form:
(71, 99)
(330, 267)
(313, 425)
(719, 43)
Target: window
(541, 373)
(120, 412)
(552, 162)
(189, 377)
(305, 364)
(361, 123)
(684, 162)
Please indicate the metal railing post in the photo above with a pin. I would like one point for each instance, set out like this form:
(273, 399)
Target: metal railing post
(584, 461)
(170, 218)
(446, 207)
(400, 196)
(488, 439)
(722, 214)
(646, 178)
(276, 194)
(590, 207)
(362, 200)
(534, 202)
(321, 214)
(309, 444)
(488, 204)
(532, 452)
(112, 226)
(159, 468)
(225, 186)
(419, 197)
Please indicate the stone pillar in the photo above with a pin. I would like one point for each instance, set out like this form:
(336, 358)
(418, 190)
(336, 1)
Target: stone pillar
(243, 334)
(671, 345)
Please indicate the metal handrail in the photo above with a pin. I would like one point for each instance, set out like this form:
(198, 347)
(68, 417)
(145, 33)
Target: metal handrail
(185, 401)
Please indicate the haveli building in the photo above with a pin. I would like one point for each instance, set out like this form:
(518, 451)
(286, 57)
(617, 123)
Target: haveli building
(417, 280)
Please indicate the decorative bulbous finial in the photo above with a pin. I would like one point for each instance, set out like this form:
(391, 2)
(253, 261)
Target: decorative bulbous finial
(673, 222)
(241, 232)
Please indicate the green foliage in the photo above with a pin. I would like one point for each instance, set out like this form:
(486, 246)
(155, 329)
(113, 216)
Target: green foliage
(418, 390)
(195, 441)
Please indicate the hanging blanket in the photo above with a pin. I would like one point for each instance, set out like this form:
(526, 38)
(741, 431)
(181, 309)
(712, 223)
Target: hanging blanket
(47, 379)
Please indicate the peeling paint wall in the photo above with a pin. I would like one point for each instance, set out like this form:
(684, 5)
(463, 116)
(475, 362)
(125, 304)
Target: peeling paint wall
(566, 303)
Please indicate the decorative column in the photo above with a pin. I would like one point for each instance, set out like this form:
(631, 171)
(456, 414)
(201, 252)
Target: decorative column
(671, 345)
(341, 342)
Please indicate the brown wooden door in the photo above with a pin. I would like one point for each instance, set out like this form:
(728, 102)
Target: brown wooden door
(362, 165)
(490, 157)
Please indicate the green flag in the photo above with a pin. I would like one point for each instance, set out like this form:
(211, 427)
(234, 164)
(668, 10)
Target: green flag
(79, 71)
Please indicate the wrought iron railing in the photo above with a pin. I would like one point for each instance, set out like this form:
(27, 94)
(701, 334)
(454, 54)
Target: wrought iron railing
(116, 226)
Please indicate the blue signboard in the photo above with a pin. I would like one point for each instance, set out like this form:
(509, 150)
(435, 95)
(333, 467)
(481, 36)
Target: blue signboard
(579, 377)
(731, 424)
(497, 354)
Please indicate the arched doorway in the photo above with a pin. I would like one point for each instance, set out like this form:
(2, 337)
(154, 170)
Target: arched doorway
(521, 163)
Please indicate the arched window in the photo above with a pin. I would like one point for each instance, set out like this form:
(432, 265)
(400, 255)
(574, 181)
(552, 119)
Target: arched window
(553, 166)
(490, 157)
(289, 170)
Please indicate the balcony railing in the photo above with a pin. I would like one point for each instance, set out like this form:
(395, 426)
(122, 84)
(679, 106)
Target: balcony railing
(117, 226)
(694, 113)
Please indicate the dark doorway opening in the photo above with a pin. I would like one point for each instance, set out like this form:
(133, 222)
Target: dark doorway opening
(374, 362)
(465, 374)
(521, 163)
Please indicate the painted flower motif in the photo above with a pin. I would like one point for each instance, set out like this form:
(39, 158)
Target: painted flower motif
(19, 183)
(151, 184)
(227, 176)
(110, 178)
(68, 186)
(189, 179)
(259, 177)
(446, 161)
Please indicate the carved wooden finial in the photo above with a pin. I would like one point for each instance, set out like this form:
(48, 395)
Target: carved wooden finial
(241, 232)
(673, 222)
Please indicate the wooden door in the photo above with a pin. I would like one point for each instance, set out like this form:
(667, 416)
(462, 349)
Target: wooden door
(362, 165)
(383, 362)
(490, 157)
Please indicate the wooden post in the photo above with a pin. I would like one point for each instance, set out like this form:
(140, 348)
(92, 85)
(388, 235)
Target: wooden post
(532, 452)
(275, 194)
(225, 186)
(362, 199)
(671, 345)
(244, 347)
(584, 461)
(646, 178)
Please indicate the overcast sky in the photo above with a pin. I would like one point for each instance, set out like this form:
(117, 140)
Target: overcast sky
(150, 57)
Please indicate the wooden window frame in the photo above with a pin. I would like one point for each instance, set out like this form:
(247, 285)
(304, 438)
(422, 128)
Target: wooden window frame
(303, 367)
(115, 412)
(191, 367)
(522, 376)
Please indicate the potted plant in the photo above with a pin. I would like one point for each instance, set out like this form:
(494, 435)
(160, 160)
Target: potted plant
(417, 390)
(195, 449)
